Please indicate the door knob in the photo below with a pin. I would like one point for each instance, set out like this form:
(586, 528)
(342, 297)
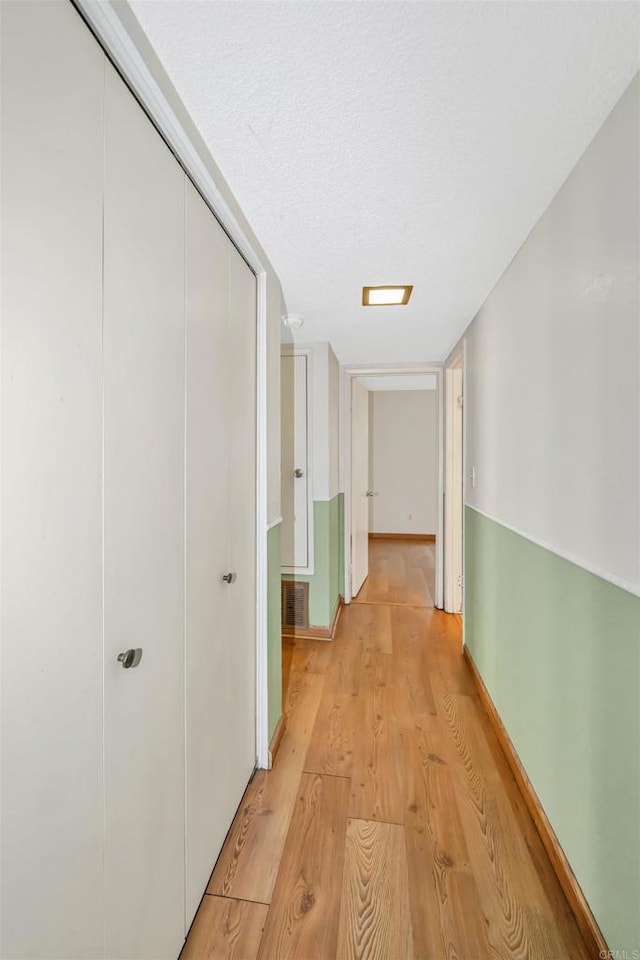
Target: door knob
(230, 577)
(372, 493)
(130, 658)
(298, 473)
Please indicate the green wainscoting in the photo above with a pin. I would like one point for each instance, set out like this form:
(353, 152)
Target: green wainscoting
(326, 583)
(274, 631)
(559, 651)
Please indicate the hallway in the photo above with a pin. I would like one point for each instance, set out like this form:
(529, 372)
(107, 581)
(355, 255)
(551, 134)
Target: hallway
(390, 826)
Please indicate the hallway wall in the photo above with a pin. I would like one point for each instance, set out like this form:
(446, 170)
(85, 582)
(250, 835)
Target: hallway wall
(552, 538)
(403, 461)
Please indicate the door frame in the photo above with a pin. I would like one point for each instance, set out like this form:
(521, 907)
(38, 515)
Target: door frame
(349, 372)
(353, 493)
(293, 350)
(455, 465)
(119, 34)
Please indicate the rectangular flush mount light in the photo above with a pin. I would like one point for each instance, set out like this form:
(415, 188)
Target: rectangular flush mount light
(386, 296)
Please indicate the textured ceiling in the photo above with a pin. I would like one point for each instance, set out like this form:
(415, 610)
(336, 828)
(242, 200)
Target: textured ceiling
(393, 142)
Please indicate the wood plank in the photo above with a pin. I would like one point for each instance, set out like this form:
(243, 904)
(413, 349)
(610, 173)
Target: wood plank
(370, 623)
(248, 864)
(375, 589)
(397, 574)
(345, 671)
(416, 537)
(332, 743)
(593, 937)
(413, 696)
(401, 571)
(311, 656)
(445, 904)
(376, 784)
(374, 919)
(303, 919)
(445, 655)
(417, 589)
(288, 646)
(511, 892)
(386, 575)
(225, 929)
(505, 911)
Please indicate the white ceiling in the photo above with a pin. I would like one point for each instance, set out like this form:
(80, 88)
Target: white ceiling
(416, 381)
(393, 142)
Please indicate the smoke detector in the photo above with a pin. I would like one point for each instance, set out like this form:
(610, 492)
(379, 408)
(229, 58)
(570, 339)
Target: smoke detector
(293, 321)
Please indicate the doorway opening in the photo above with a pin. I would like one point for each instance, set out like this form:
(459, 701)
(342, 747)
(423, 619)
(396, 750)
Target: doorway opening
(393, 477)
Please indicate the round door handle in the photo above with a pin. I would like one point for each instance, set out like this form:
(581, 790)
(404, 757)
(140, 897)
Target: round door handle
(298, 473)
(130, 658)
(230, 577)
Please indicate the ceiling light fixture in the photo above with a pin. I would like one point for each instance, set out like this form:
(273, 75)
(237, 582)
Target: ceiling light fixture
(397, 296)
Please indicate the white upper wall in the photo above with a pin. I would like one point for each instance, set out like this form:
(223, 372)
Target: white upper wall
(319, 369)
(553, 368)
(403, 461)
(417, 381)
(394, 142)
(334, 423)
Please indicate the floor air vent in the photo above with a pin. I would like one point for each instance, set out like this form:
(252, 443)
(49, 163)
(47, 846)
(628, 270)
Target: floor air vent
(295, 604)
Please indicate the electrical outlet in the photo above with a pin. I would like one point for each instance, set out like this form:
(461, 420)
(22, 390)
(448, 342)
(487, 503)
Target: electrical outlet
(409, 516)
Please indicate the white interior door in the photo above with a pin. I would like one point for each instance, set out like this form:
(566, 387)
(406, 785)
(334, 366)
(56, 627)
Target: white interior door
(453, 520)
(210, 802)
(295, 462)
(458, 506)
(144, 428)
(51, 697)
(241, 730)
(359, 485)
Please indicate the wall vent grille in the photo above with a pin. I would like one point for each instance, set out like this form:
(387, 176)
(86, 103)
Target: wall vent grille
(295, 604)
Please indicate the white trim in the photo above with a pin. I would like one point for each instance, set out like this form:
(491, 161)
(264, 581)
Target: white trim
(274, 523)
(457, 356)
(103, 18)
(113, 35)
(439, 585)
(592, 568)
(449, 421)
(454, 470)
(465, 422)
(348, 373)
(306, 351)
(262, 670)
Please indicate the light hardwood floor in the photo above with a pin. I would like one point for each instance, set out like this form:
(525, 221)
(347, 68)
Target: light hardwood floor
(390, 826)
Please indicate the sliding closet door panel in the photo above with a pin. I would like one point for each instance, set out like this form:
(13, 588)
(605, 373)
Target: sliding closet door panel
(144, 432)
(242, 513)
(210, 801)
(51, 776)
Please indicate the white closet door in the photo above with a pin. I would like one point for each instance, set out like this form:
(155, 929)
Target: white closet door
(295, 463)
(242, 517)
(210, 799)
(144, 428)
(51, 775)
